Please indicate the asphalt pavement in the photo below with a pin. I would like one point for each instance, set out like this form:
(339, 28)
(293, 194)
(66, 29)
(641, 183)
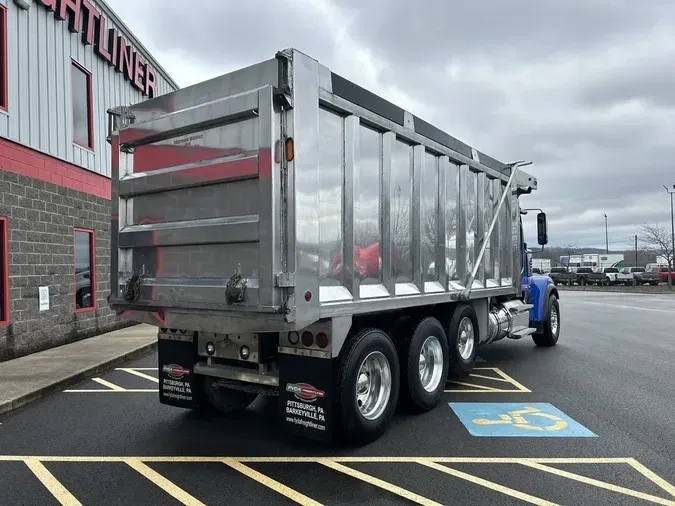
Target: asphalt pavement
(589, 421)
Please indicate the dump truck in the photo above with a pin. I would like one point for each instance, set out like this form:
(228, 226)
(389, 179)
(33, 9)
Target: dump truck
(293, 234)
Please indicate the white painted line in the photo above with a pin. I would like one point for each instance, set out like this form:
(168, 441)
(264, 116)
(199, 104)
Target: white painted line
(139, 374)
(108, 384)
(624, 306)
(101, 391)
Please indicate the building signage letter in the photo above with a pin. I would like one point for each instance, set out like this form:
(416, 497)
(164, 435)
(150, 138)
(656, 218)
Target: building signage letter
(108, 44)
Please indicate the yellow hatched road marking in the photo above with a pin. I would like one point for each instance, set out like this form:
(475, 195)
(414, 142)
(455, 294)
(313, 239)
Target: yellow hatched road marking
(411, 496)
(50, 482)
(598, 483)
(503, 378)
(271, 483)
(138, 373)
(108, 384)
(165, 484)
(651, 475)
(488, 484)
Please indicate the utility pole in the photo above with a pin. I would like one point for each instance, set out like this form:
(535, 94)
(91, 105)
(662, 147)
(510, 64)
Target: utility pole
(606, 237)
(636, 261)
(672, 237)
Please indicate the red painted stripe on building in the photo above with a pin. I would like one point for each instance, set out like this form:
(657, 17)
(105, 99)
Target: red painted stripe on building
(31, 163)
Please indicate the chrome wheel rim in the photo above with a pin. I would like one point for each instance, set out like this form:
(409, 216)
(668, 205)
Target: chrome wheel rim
(373, 385)
(431, 363)
(465, 340)
(554, 320)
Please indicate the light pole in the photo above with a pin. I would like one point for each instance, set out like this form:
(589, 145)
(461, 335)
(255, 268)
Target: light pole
(606, 236)
(672, 235)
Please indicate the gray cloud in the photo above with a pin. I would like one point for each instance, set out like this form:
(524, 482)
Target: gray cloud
(582, 88)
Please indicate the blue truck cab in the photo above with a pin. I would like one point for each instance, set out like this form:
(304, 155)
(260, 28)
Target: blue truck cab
(540, 291)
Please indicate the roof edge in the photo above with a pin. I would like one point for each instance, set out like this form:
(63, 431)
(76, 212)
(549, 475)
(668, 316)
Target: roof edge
(111, 14)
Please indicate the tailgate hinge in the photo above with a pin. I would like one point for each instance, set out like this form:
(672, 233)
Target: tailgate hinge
(284, 279)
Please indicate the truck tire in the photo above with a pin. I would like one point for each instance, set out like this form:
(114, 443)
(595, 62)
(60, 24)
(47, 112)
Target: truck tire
(462, 337)
(551, 332)
(424, 359)
(366, 386)
(223, 399)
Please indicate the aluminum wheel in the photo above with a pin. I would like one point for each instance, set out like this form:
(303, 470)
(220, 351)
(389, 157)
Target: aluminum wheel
(465, 341)
(373, 385)
(554, 320)
(431, 363)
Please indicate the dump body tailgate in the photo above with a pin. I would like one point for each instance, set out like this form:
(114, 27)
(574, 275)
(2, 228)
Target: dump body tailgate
(198, 214)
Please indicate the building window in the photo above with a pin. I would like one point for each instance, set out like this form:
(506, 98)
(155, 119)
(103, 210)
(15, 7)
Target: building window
(4, 273)
(85, 268)
(83, 128)
(3, 57)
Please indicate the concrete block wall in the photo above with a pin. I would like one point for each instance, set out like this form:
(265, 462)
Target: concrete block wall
(43, 199)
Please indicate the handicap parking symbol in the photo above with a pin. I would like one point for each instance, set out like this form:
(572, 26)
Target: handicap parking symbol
(515, 419)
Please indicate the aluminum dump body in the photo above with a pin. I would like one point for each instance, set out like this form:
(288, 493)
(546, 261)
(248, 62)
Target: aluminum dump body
(215, 229)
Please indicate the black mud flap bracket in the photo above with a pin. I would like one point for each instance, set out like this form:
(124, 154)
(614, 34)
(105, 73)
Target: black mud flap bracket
(177, 353)
(306, 396)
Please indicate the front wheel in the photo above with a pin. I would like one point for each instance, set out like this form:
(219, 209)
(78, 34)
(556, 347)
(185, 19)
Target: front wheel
(462, 340)
(366, 386)
(551, 332)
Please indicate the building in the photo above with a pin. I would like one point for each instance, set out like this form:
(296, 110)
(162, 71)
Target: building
(63, 63)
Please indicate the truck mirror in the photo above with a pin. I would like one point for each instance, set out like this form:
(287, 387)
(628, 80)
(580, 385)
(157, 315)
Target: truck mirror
(542, 235)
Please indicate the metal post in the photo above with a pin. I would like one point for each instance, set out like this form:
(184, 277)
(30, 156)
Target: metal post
(606, 236)
(671, 263)
(636, 251)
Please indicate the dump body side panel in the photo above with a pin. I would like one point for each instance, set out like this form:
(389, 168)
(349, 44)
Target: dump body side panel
(377, 209)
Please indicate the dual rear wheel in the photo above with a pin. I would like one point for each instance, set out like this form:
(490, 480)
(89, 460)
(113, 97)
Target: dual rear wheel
(374, 375)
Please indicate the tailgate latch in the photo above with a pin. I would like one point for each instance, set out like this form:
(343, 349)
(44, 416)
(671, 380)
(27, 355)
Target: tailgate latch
(285, 279)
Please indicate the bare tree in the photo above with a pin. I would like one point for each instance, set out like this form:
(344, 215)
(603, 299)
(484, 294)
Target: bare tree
(658, 240)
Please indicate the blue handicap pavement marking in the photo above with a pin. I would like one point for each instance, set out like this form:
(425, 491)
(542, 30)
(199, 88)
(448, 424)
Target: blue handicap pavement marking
(516, 419)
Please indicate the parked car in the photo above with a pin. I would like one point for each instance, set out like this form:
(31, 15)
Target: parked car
(560, 276)
(662, 271)
(611, 273)
(637, 276)
(586, 276)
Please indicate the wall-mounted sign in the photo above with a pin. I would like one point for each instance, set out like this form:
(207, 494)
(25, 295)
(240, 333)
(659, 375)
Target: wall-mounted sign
(43, 292)
(109, 45)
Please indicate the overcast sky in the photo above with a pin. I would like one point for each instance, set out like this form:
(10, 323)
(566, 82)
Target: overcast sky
(584, 88)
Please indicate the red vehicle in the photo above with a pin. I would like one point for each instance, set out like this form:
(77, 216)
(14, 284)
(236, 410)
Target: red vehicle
(662, 269)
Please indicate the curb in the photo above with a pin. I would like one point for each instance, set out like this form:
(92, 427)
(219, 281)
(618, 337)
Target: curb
(87, 373)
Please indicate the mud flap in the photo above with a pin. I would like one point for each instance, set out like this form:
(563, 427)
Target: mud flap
(306, 396)
(177, 380)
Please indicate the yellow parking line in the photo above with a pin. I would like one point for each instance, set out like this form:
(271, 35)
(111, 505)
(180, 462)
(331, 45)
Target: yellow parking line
(488, 484)
(165, 484)
(411, 496)
(108, 384)
(479, 387)
(139, 374)
(651, 475)
(50, 482)
(597, 483)
(271, 483)
(490, 378)
(518, 385)
(450, 460)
